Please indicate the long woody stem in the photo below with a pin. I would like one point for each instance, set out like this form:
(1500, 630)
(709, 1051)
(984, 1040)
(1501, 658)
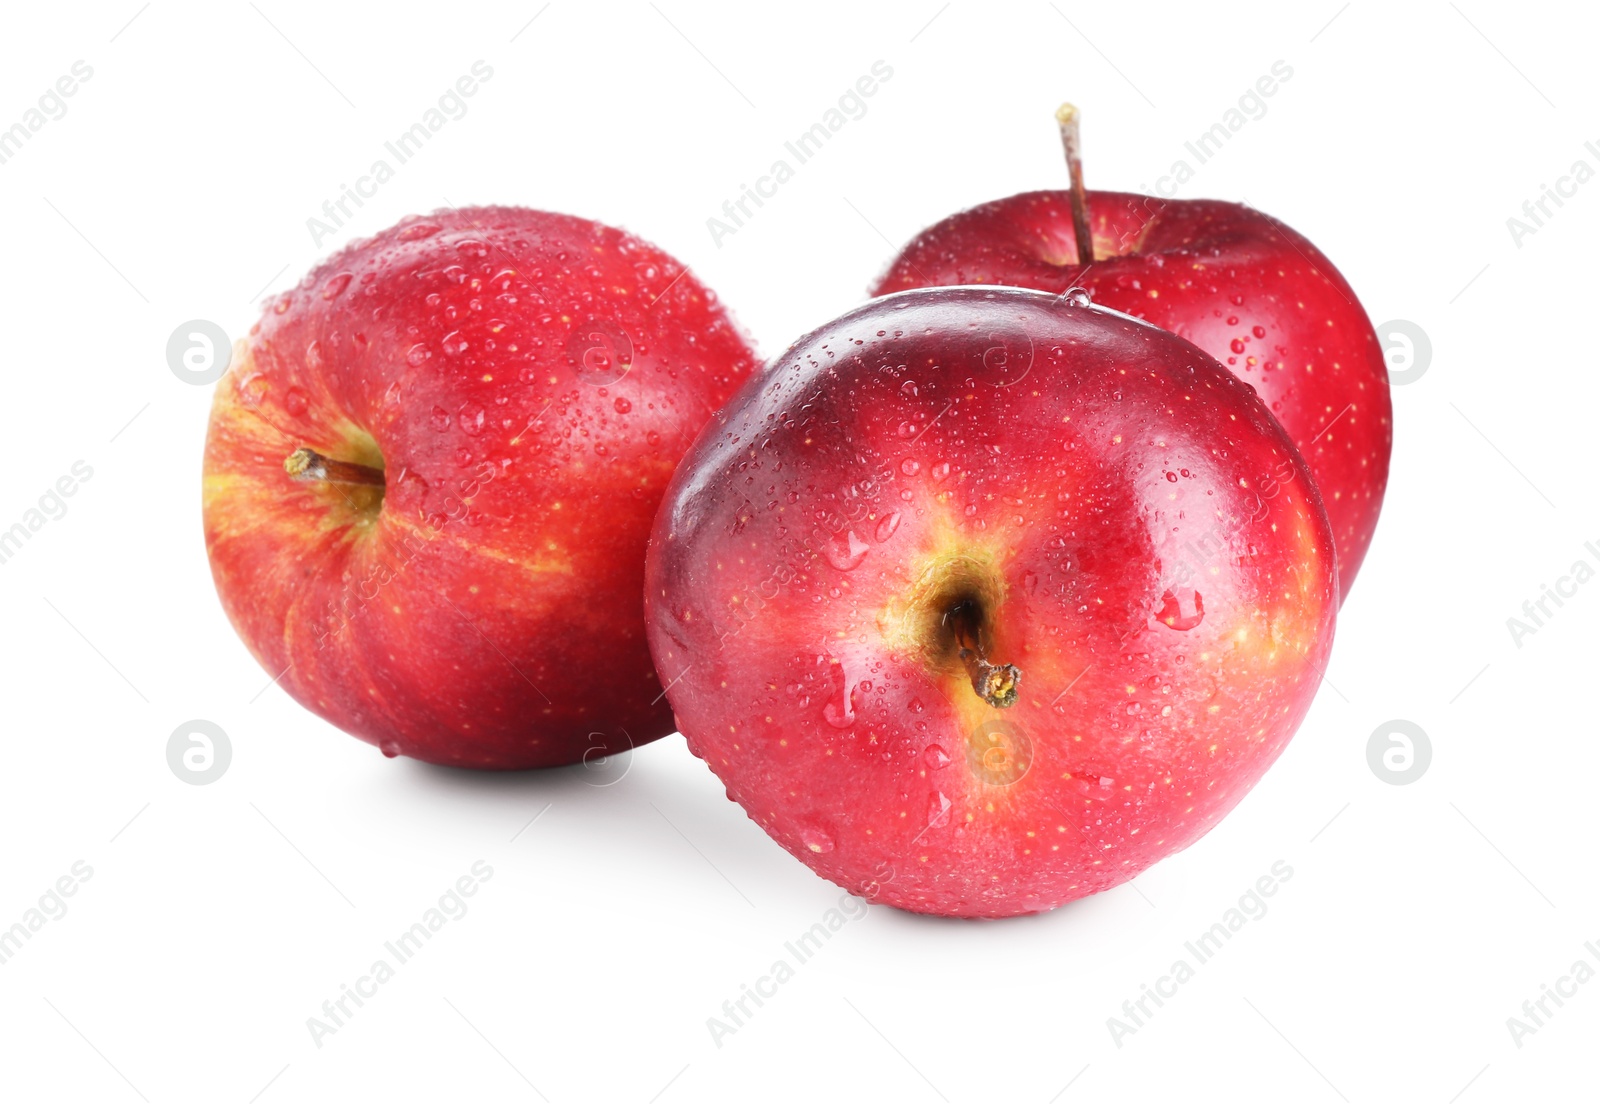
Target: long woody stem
(1067, 116)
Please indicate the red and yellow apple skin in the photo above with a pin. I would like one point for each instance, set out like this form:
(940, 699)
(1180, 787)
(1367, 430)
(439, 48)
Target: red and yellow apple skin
(527, 383)
(1066, 489)
(1242, 286)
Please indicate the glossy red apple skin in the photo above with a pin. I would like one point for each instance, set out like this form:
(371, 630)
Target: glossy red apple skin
(1081, 474)
(1242, 286)
(486, 613)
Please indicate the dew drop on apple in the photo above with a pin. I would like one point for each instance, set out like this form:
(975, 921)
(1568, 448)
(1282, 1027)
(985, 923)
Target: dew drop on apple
(417, 231)
(888, 526)
(389, 748)
(815, 839)
(336, 285)
(846, 551)
(1077, 297)
(1173, 612)
(471, 418)
(252, 388)
(622, 406)
(935, 756)
(439, 419)
(1237, 345)
(294, 402)
(938, 809)
(910, 467)
(417, 354)
(839, 711)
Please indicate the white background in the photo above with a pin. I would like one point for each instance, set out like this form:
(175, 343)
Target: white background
(178, 185)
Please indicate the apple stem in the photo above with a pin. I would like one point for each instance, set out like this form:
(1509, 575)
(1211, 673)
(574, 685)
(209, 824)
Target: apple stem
(995, 684)
(1067, 116)
(309, 465)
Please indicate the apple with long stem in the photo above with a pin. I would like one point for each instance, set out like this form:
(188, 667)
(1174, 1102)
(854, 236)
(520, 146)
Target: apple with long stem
(980, 600)
(1239, 284)
(431, 473)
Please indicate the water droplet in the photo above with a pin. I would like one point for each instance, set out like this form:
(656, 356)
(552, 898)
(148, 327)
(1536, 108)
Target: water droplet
(622, 406)
(418, 230)
(453, 343)
(294, 402)
(1172, 478)
(1237, 345)
(389, 748)
(417, 354)
(846, 551)
(888, 526)
(940, 471)
(935, 756)
(314, 356)
(440, 419)
(252, 388)
(1259, 331)
(910, 467)
(938, 809)
(471, 418)
(335, 285)
(1171, 612)
(909, 388)
(815, 839)
(1077, 297)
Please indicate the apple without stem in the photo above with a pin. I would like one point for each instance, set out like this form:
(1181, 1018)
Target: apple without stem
(1242, 286)
(983, 600)
(431, 473)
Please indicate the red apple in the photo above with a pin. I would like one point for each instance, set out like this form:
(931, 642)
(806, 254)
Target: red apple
(982, 600)
(430, 477)
(1242, 286)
